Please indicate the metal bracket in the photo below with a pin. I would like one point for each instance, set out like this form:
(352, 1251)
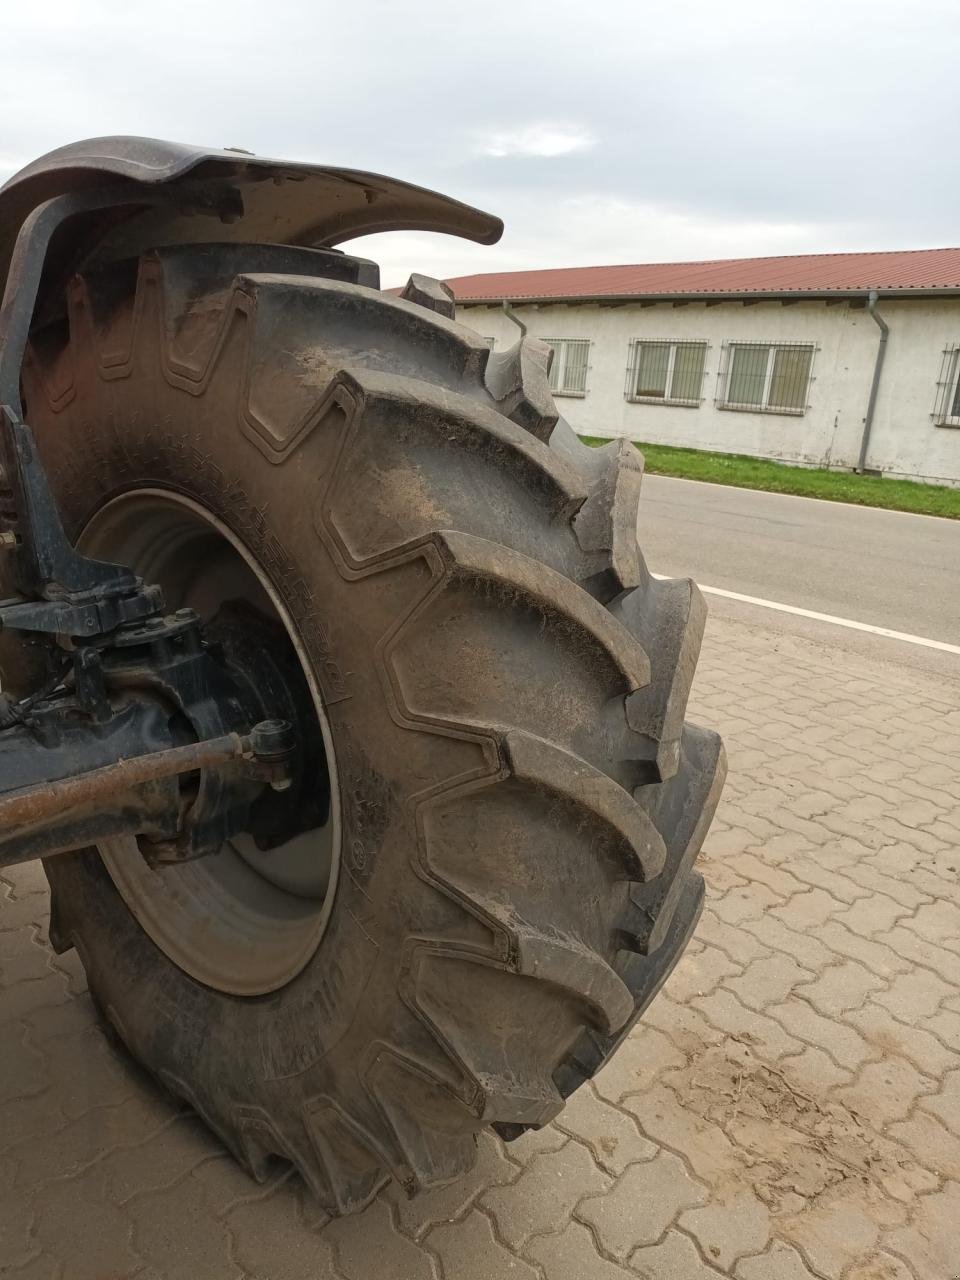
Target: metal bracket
(63, 592)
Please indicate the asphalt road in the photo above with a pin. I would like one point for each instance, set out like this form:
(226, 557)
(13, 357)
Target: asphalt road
(885, 568)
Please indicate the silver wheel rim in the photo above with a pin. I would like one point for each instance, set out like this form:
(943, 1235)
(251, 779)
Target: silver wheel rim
(243, 921)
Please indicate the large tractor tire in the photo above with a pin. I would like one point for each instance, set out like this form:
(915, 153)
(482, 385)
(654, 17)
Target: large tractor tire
(503, 874)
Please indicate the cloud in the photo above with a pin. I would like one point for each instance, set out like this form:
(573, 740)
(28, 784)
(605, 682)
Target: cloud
(631, 134)
(539, 139)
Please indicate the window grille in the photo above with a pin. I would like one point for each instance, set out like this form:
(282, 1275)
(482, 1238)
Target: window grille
(946, 411)
(568, 369)
(765, 377)
(666, 371)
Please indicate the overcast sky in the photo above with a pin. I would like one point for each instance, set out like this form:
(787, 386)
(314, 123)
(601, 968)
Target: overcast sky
(601, 131)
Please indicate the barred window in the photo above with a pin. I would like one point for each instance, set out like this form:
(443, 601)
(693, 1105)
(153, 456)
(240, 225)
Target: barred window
(766, 377)
(666, 372)
(568, 371)
(947, 409)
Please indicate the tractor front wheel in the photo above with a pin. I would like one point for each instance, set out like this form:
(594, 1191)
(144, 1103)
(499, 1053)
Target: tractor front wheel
(507, 803)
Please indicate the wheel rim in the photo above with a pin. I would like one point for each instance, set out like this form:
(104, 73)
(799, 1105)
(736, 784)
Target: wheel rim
(244, 921)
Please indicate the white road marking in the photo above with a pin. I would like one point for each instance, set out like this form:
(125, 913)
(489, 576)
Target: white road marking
(829, 617)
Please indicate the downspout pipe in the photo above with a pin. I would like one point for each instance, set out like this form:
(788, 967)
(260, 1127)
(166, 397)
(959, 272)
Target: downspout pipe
(872, 299)
(512, 315)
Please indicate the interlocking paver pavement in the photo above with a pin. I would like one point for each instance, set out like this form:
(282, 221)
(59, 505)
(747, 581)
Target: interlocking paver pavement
(788, 1110)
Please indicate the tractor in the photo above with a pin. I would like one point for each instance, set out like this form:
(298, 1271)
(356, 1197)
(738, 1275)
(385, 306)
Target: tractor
(337, 697)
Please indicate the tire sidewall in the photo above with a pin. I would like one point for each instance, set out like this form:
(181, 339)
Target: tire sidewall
(94, 454)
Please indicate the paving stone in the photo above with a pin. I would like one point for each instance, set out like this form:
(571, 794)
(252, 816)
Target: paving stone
(32, 1120)
(847, 1047)
(943, 830)
(26, 997)
(675, 1259)
(569, 1255)
(88, 1236)
(945, 1104)
(780, 1262)
(761, 829)
(736, 942)
(730, 1226)
(748, 902)
(24, 1072)
(807, 910)
(17, 913)
(44, 1267)
(643, 1203)
(809, 803)
(945, 1024)
(815, 1072)
(75, 1145)
(686, 1027)
(880, 959)
(90, 1071)
(224, 1184)
(160, 1160)
(699, 973)
(868, 806)
(872, 917)
(369, 1244)
(17, 1213)
(842, 986)
(725, 1011)
(637, 1063)
(923, 1049)
(782, 846)
(174, 1233)
(25, 879)
(768, 981)
(8, 1176)
(805, 948)
(471, 1251)
(703, 1144)
(719, 874)
(493, 1168)
(21, 958)
(931, 1143)
(545, 1194)
(754, 867)
(918, 813)
(832, 1236)
(271, 1241)
(812, 871)
(746, 1108)
(535, 1142)
(893, 831)
(72, 970)
(882, 1266)
(611, 1134)
(727, 843)
(885, 1091)
(912, 997)
(907, 893)
(931, 1243)
(65, 1018)
(919, 951)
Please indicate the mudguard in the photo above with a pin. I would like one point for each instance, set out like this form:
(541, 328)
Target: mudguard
(260, 200)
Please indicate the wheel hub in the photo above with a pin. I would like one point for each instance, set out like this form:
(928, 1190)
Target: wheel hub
(248, 918)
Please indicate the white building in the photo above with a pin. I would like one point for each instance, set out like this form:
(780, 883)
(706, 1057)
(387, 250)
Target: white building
(773, 357)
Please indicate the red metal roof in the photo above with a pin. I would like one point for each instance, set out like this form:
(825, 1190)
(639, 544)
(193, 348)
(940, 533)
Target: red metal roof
(909, 270)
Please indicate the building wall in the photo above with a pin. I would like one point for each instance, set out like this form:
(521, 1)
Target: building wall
(905, 440)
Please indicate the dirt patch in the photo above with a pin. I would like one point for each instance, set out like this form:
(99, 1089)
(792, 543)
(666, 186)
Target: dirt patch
(796, 1148)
